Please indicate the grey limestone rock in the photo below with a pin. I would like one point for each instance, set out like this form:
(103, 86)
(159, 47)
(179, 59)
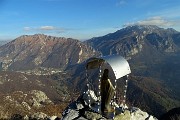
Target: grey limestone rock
(92, 115)
(71, 114)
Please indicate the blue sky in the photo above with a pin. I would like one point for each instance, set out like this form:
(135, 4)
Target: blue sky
(83, 19)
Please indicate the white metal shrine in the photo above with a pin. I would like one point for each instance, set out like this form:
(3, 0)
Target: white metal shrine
(119, 66)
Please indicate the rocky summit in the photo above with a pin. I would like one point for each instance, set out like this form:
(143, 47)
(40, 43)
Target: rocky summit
(81, 110)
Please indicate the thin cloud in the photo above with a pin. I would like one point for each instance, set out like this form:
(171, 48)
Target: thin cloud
(157, 20)
(26, 28)
(120, 3)
(45, 29)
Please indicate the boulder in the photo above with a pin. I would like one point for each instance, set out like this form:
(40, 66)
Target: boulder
(39, 98)
(92, 115)
(53, 118)
(124, 116)
(38, 116)
(71, 114)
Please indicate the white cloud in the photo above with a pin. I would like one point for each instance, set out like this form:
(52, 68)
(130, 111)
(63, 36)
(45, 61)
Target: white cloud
(157, 20)
(47, 28)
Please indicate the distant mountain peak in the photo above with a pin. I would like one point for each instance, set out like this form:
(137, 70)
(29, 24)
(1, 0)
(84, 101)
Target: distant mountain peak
(150, 28)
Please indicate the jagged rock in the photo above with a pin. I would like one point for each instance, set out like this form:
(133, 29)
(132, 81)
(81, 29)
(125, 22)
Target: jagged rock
(39, 115)
(92, 115)
(79, 106)
(139, 114)
(72, 111)
(75, 106)
(26, 105)
(123, 116)
(135, 114)
(76, 110)
(89, 96)
(71, 114)
(25, 117)
(39, 98)
(53, 118)
(34, 102)
(151, 118)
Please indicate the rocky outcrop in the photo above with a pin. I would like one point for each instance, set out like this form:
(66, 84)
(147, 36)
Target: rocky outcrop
(27, 100)
(38, 116)
(39, 98)
(80, 110)
(35, 116)
(27, 94)
(26, 105)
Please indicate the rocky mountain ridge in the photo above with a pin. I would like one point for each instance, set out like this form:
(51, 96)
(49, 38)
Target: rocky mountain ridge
(132, 40)
(33, 51)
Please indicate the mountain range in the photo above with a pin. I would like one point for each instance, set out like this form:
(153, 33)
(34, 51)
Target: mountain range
(132, 40)
(152, 52)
